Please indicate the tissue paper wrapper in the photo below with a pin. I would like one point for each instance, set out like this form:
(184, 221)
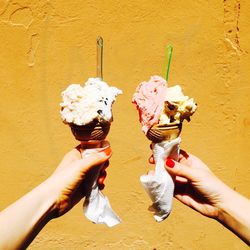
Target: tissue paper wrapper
(96, 206)
(160, 185)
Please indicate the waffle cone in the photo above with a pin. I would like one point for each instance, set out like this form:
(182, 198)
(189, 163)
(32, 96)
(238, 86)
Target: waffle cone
(159, 133)
(90, 132)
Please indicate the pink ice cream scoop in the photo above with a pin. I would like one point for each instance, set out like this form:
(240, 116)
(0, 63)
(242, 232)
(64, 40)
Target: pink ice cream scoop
(149, 98)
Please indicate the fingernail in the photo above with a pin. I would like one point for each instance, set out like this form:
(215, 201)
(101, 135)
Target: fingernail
(102, 178)
(101, 149)
(170, 163)
(107, 151)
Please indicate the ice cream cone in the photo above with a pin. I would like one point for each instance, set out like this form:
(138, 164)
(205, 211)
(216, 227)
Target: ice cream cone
(93, 131)
(159, 133)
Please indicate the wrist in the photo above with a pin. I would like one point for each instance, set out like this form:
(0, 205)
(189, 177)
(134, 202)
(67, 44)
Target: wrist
(50, 193)
(227, 198)
(48, 198)
(220, 196)
(234, 214)
(231, 204)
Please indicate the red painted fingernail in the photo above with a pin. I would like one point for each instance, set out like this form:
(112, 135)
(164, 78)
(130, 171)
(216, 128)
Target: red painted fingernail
(170, 163)
(107, 151)
(101, 180)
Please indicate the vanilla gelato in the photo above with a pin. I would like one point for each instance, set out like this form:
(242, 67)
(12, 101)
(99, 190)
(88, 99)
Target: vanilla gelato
(83, 104)
(177, 107)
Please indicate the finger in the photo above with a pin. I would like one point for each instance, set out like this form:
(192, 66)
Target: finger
(151, 159)
(102, 177)
(181, 179)
(106, 164)
(79, 148)
(178, 169)
(95, 159)
(184, 199)
(189, 201)
(184, 154)
(72, 155)
(183, 160)
(181, 187)
(184, 193)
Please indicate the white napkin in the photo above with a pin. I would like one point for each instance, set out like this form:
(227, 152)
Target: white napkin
(160, 185)
(96, 206)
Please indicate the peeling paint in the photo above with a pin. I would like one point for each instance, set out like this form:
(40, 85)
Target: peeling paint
(231, 22)
(22, 16)
(34, 43)
(3, 6)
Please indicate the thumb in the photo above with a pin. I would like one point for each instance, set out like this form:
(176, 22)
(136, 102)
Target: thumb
(94, 159)
(178, 169)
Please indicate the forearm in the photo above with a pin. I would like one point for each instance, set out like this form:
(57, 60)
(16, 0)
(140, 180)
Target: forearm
(235, 214)
(21, 221)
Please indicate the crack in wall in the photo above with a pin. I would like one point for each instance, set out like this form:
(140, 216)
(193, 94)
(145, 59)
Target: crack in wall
(237, 11)
(34, 43)
(228, 60)
(15, 14)
(21, 16)
(4, 8)
(229, 65)
(231, 23)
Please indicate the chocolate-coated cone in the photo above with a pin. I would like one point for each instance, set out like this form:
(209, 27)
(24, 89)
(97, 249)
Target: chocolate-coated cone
(90, 132)
(159, 133)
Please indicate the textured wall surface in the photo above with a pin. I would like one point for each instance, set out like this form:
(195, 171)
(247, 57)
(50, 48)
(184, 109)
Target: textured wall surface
(46, 45)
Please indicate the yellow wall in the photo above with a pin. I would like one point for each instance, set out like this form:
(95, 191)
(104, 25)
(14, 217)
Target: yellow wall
(46, 45)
